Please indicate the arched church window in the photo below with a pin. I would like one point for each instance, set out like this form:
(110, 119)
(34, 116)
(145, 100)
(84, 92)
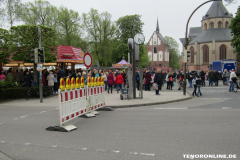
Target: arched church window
(223, 52)
(192, 54)
(205, 26)
(211, 25)
(226, 24)
(205, 54)
(219, 24)
(155, 50)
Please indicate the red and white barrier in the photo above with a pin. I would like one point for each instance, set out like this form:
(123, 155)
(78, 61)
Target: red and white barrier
(72, 104)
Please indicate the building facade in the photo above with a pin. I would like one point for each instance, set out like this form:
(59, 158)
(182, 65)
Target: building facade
(211, 41)
(158, 50)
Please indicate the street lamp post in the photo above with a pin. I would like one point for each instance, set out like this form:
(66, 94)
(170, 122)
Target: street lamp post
(186, 43)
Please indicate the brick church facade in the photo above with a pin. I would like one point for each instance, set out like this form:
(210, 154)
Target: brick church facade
(158, 50)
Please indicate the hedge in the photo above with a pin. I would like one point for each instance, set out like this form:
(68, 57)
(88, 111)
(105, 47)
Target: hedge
(15, 93)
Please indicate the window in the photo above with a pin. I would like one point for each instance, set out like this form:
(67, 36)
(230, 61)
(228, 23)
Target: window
(211, 25)
(219, 24)
(155, 50)
(226, 24)
(192, 54)
(223, 52)
(205, 54)
(155, 42)
(205, 26)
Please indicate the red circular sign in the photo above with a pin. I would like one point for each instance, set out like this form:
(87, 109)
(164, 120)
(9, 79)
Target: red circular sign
(87, 60)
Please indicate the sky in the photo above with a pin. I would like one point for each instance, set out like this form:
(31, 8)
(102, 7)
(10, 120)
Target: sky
(172, 15)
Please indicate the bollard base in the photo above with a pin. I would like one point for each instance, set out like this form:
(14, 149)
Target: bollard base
(95, 112)
(105, 109)
(68, 128)
(88, 115)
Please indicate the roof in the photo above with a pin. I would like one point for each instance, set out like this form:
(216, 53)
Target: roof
(161, 37)
(70, 54)
(194, 31)
(182, 40)
(217, 9)
(218, 34)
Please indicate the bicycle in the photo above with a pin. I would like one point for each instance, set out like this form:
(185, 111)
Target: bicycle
(235, 84)
(32, 90)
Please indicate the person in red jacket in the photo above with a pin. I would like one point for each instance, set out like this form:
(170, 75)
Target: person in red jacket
(110, 81)
(119, 81)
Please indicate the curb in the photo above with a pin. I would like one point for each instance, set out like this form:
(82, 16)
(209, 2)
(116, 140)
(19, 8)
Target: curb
(150, 104)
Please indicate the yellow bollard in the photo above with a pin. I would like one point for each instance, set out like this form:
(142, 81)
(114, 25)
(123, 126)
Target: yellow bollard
(89, 82)
(77, 82)
(82, 82)
(62, 84)
(96, 83)
(99, 81)
(92, 84)
(102, 81)
(68, 84)
(73, 83)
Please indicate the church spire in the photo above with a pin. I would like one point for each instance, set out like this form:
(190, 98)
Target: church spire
(157, 29)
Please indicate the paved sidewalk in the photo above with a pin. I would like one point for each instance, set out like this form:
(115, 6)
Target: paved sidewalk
(149, 98)
(4, 157)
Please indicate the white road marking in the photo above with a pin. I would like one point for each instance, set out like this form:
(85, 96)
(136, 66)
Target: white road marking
(116, 151)
(27, 144)
(23, 116)
(226, 108)
(0, 123)
(43, 112)
(54, 146)
(147, 154)
(2, 141)
(15, 119)
(135, 153)
(84, 149)
(170, 108)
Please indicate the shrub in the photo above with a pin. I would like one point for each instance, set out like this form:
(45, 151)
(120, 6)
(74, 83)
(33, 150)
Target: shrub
(15, 93)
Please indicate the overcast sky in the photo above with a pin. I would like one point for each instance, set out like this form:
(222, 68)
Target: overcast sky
(172, 14)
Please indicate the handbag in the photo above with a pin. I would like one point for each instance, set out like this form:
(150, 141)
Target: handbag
(155, 86)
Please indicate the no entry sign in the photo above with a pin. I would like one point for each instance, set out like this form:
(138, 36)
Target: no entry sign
(87, 60)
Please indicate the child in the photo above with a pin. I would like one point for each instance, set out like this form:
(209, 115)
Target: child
(198, 82)
(195, 86)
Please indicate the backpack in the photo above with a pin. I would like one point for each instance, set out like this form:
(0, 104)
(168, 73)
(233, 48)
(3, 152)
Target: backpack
(180, 78)
(170, 79)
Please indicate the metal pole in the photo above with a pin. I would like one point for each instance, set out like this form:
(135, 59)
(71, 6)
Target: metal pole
(134, 70)
(40, 74)
(186, 43)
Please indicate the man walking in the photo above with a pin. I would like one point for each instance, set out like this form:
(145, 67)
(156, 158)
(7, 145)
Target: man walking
(158, 81)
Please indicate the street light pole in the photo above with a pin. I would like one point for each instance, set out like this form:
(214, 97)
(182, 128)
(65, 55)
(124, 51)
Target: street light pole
(186, 43)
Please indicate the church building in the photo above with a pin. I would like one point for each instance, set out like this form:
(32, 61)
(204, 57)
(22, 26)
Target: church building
(158, 50)
(211, 41)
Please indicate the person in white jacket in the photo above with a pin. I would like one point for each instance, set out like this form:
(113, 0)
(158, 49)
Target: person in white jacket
(232, 75)
(50, 79)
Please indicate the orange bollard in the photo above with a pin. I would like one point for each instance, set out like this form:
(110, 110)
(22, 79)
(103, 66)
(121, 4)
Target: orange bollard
(89, 82)
(77, 82)
(73, 83)
(92, 84)
(102, 81)
(62, 84)
(96, 82)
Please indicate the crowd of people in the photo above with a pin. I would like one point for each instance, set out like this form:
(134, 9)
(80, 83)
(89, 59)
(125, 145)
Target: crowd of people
(117, 79)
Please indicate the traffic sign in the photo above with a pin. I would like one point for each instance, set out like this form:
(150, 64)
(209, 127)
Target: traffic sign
(87, 60)
(39, 67)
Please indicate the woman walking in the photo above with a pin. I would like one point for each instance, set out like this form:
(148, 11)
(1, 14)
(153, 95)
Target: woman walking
(148, 79)
(50, 79)
(110, 81)
(119, 80)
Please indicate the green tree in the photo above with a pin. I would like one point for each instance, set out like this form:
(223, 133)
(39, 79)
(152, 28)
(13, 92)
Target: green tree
(230, 1)
(4, 45)
(11, 10)
(25, 37)
(173, 52)
(69, 24)
(101, 31)
(38, 12)
(128, 26)
(235, 31)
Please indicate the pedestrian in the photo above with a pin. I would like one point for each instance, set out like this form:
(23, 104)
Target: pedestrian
(167, 80)
(216, 77)
(195, 86)
(179, 78)
(2, 76)
(148, 80)
(119, 81)
(232, 75)
(104, 75)
(210, 77)
(18, 77)
(198, 82)
(55, 82)
(158, 81)
(27, 80)
(190, 78)
(50, 79)
(73, 75)
(202, 75)
(137, 79)
(170, 80)
(110, 81)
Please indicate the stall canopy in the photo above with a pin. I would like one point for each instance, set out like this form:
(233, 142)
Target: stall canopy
(121, 64)
(70, 54)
